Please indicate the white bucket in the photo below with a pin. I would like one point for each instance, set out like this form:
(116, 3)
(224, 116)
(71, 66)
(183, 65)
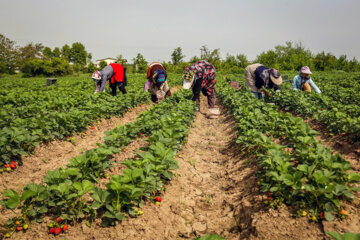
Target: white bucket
(213, 113)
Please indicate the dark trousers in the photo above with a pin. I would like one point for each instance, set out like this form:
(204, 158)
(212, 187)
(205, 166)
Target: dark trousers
(211, 99)
(116, 85)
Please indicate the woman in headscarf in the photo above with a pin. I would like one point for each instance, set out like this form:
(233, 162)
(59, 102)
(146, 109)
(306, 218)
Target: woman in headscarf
(201, 77)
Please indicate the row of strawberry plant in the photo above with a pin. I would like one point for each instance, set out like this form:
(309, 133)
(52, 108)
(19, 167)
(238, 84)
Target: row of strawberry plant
(337, 106)
(65, 192)
(335, 119)
(25, 134)
(299, 171)
(25, 127)
(341, 87)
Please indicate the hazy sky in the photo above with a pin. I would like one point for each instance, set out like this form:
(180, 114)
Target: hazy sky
(155, 27)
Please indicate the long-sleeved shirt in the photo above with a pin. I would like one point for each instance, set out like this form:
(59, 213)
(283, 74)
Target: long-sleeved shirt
(255, 75)
(298, 83)
(205, 77)
(107, 73)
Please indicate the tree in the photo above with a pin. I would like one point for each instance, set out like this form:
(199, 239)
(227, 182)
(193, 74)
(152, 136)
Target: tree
(242, 60)
(66, 52)
(102, 64)
(140, 64)
(9, 55)
(121, 60)
(91, 67)
(48, 53)
(204, 52)
(88, 58)
(78, 54)
(194, 59)
(57, 52)
(31, 51)
(268, 59)
(177, 56)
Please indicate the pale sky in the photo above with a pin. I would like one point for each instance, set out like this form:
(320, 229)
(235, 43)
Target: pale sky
(155, 28)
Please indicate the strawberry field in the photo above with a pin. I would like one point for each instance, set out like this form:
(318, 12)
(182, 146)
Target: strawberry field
(127, 169)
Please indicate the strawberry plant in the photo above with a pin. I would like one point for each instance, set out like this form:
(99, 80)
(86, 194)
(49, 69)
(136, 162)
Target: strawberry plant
(309, 176)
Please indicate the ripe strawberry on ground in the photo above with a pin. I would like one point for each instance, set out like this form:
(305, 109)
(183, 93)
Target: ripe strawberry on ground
(65, 227)
(13, 162)
(12, 166)
(52, 230)
(158, 199)
(19, 228)
(57, 231)
(58, 220)
(6, 165)
(322, 215)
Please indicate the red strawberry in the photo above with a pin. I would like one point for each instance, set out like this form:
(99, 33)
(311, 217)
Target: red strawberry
(67, 136)
(92, 128)
(270, 193)
(322, 215)
(52, 230)
(158, 199)
(124, 150)
(65, 227)
(57, 231)
(6, 165)
(269, 198)
(12, 166)
(84, 132)
(13, 162)
(58, 220)
(18, 228)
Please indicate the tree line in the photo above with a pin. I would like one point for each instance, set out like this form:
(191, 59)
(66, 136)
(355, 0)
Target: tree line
(36, 59)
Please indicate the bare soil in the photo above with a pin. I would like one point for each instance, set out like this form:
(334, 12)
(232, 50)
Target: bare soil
(214, 191)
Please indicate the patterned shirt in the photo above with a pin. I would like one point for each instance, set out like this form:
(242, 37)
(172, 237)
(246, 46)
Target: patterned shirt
(206, 73)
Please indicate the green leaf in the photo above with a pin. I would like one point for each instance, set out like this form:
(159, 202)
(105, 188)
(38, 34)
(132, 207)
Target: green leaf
(109, 214)
(346, 236)
(27, 194)
(329, 216)
(119, 216)
(210, 237)
(43, 209)
(354, 177)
